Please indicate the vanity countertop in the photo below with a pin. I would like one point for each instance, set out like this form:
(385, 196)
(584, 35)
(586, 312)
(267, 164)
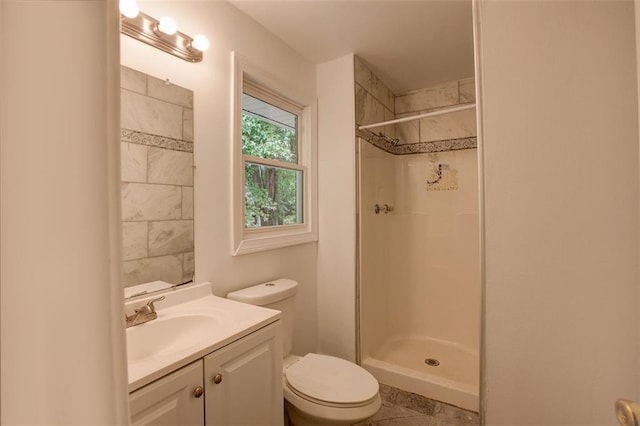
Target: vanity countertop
(191, 323)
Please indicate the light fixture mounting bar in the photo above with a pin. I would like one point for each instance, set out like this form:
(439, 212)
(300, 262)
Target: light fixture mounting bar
(145, 29)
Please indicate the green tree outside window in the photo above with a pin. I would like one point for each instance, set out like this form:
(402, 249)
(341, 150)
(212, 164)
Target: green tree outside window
(270, 192)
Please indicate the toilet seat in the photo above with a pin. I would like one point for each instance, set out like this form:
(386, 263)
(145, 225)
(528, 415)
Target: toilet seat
(328, 403)
(329, 388)
(332, 381)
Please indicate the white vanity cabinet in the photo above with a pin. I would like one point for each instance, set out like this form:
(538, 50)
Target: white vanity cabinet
(238, 384)
(171, 400)
(243, 381)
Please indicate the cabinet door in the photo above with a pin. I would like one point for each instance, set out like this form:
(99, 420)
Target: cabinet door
(243, 380)
(170, 400)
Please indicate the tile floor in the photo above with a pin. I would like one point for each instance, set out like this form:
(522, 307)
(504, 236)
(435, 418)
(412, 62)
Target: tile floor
(400, 408)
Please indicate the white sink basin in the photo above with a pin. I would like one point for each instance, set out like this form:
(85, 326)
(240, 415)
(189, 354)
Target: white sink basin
(191, 323)
(167, 335)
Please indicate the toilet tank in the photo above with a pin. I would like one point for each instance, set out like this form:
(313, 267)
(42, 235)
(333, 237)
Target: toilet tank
(278, 294)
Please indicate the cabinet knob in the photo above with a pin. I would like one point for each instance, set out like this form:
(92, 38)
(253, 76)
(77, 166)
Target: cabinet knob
(197, 392)
(217, 378)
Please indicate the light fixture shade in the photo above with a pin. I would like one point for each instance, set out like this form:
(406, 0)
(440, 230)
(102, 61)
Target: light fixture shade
(129, 8)
(200, 42)
(168, 25)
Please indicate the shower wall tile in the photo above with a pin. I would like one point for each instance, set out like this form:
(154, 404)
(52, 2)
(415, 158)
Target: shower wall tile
(362, 73)
(368, 150)
(163, 268)
(409, 131)
(377, 176)
(142, 201)
(439, 252)
(188, 266)
(170, 93)
(466, 271)
(466, 227)
(148, 115)
(459, 314)
(454, 125)
(187, 124)
(412, 174)
(157, 175)
(134, 240)
(467, 89)
(133, 80)
(389, 129)
(405, 252)
(170, 167)
(440, 313)
(373, 84)
(429, 98)
(467, 197)
(169, 237)
(187, 202)
(133, 162)
(140, 138)
(368, 109)
(439, 225)
(374, 100)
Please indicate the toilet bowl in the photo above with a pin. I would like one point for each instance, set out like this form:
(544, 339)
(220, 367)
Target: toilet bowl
(321, 389)
(318, 389)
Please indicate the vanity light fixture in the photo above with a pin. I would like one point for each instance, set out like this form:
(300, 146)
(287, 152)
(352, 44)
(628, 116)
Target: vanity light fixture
(162, 34)
(167, 25)
(129, 8)
(200, 42)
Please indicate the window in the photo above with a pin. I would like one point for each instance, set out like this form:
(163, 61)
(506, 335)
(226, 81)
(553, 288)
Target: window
(274, 167)
(273, 179)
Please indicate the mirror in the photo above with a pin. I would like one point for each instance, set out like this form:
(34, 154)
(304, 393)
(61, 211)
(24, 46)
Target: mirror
(156, 181)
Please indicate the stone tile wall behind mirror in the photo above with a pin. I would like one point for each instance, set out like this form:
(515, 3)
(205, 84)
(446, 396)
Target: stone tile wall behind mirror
(157, 180)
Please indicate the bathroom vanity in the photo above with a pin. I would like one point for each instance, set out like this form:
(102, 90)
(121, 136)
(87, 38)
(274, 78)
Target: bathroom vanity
(205, 360)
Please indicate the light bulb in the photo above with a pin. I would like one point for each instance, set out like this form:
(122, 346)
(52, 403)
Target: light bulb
(129, 8)
(200, 42)
(168, 25)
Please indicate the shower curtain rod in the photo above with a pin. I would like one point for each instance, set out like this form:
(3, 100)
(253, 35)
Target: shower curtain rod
(416, 117)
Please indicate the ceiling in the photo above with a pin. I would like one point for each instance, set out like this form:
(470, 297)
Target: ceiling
(409, 44)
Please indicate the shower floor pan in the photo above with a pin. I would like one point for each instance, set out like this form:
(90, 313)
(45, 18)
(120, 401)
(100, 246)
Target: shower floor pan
(403, 363)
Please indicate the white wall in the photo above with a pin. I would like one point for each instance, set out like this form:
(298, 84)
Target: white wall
(337, 216)
(229, 30)
(637, 25)
(560, 141)
(62, 348)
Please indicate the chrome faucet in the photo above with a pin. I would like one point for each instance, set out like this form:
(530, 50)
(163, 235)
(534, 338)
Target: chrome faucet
(143, 314)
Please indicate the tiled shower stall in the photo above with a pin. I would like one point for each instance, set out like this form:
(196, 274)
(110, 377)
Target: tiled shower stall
(419, 276)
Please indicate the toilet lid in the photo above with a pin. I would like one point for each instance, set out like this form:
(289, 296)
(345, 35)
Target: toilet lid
(331, 379)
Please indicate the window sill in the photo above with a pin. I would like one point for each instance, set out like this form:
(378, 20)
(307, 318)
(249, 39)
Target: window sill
(270, 240)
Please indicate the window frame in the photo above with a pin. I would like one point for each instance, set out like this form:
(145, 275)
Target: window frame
(266, 87)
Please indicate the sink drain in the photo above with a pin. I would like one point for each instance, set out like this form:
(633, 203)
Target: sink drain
(432, 362)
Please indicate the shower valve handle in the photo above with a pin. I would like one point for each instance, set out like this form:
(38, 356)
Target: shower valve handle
(385, 208)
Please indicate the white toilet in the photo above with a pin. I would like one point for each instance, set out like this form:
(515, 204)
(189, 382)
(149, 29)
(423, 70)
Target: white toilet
(318, 389)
